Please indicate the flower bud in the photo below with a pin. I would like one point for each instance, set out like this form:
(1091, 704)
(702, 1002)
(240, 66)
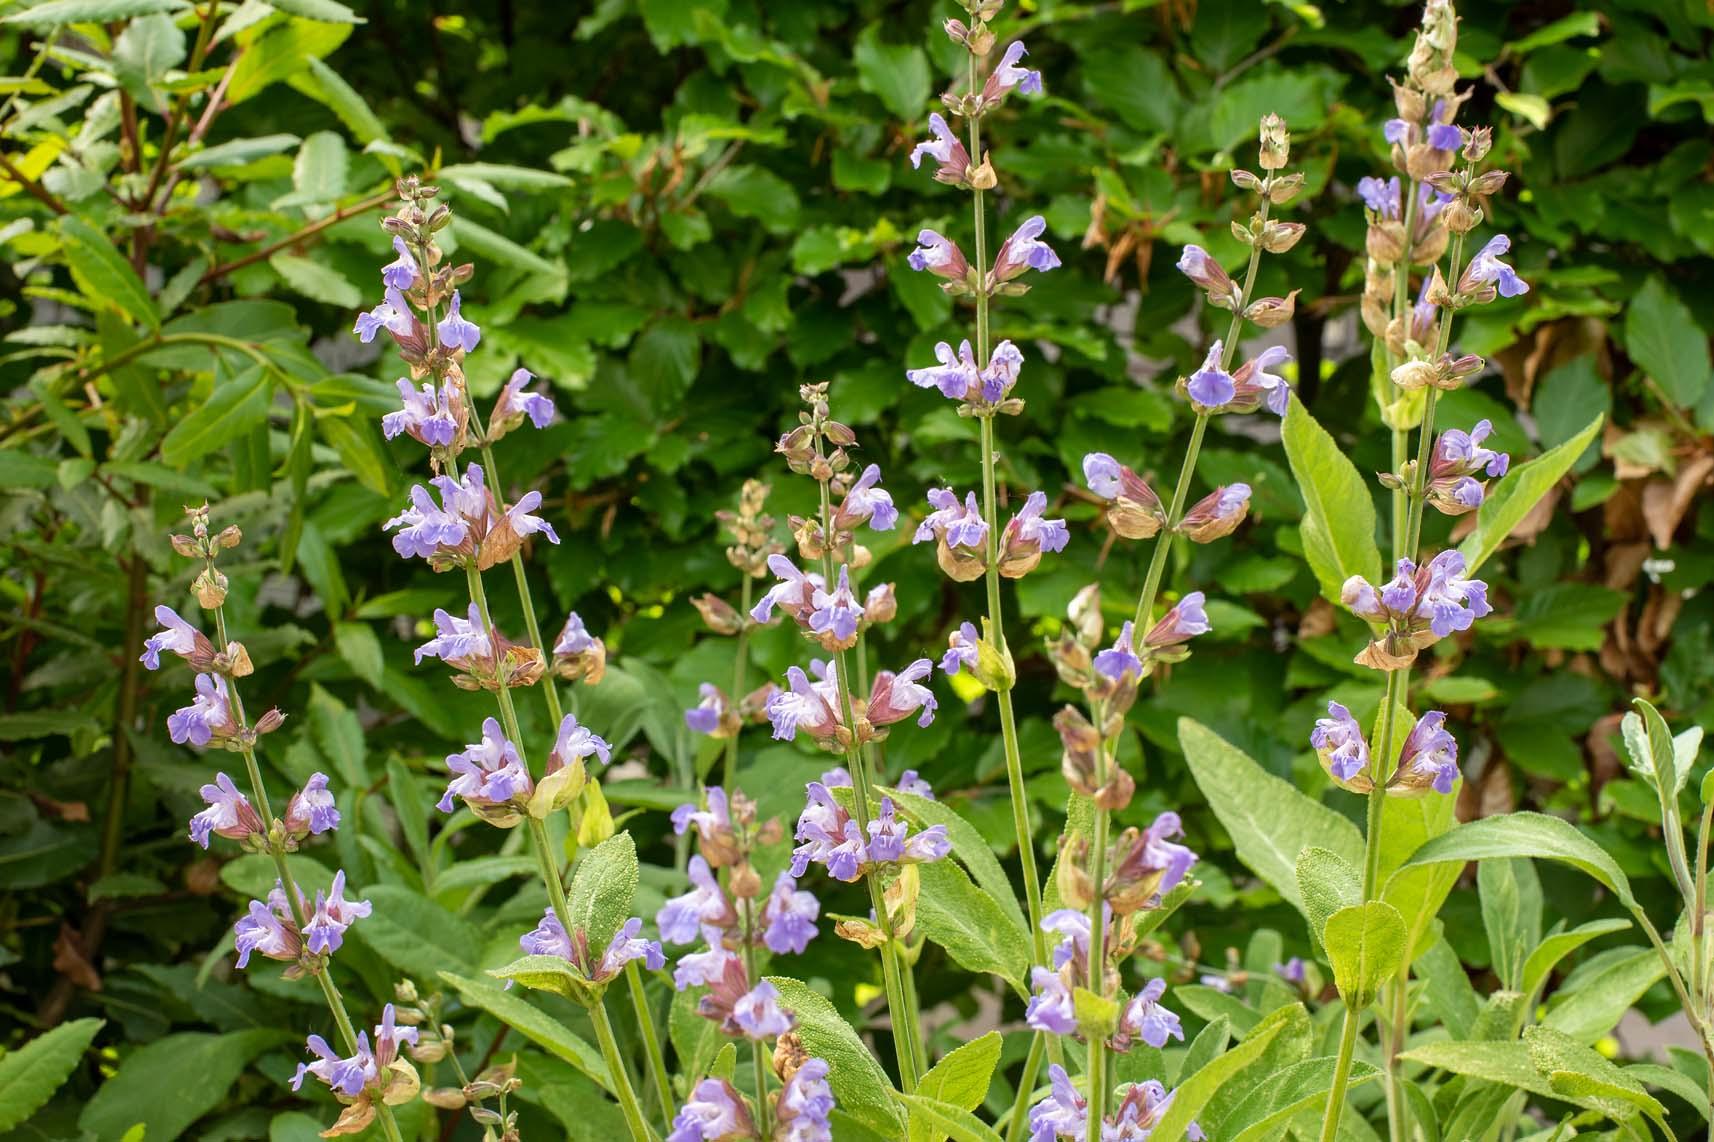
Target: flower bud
(1487, 183)
(983, 176)
(789, 1055)
(186, 546)
(270, 721)
(1085, 615)
(1461, 217)
(1284, 188)
(1275, 146)
(838, 434)
(719, 615)
(1272, 312)
(1071, 872)
(863, 933)
(880, 605)
(1385, 242)
(1415, 374)
(956, 31)
(1477, 145)
(746, 882)
(229, 537)
(444, 1097)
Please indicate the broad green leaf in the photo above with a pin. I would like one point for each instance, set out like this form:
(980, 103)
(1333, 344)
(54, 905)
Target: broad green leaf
(1448, 993)
(1581, 1074)
(860, 1086)
(280, 52)
(1557, 946)
(1685, 1087)
(498, 248)
(961, 1079)
(1514, 495)
(1269, 821)
(360, 647)
(1491, 1060)
(25, 469)
(553, 974)
(970, 925)
(602, 889)
(317, 281)
(30, 1074)
(103, 275)
(237, 153)
(54, 12)
(318, 173)
(1560, 30)
(969, 848)
(327, 87)
(948, 1120)
(504, 176)
(1594, 1007)
(1194, 1092)
(1366, 944)
(408, 804)
(1326, 883)
(236, 405)
(358, 442)
(1263, 1114)
(415, 934)
(1406, 823)
(1527, 835)
(534, 1024)
(1662, 336)
(1511, 914)
(172, 1082)
(1339, 517)
(896, 74)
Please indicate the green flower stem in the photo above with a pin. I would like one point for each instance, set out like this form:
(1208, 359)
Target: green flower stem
(757, 1057)
(1096, 1069)
(652, 1055)
(1401, 306)
(901, 1013)
(634, 1119)
(1341, 1075)
(740, 664)
(294, 899)
(1018, 1120)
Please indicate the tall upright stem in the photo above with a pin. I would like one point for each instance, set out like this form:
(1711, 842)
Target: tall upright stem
(1401, 305)
(657, 1061)
(633, 1110)
(740, 663)
(288, 884)
(1097, 1079)
(757, 1059)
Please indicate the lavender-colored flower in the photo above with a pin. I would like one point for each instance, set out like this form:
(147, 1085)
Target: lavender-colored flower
(1453, 487)
(960, 650)
(837, 778)
(958, 376)
(910, 782)
(430, 415)
(176, 635)
(1023, 250)
(714, 1111)
(547, 938)
(952, 161)
(268, 928)
(389, 1035)
(1292, 971)
(1140, 1111)
(759, 1015)
(1072, 928)
(1380, 196)
(347, 1077)
(1063, 1113)
(806, 1105)
(401, 272)
(1421, 603)
(207, 717)
(1253, 386)
(938, 255)
(513, 406)
(836, 613)
(1430, 755)
(1211, 386)
(682, 918)
(1146, 1018)
(712, 821)
(957, 524)
(393, 315)
(1101, 473)
(426, 529)
(575, 742)
(229, 814)
(828, 837)
(1215, 981)
(891, 841)
(1179, 625)
(1120, 658)
(490, 776)
(1007, 75)
(1196, 264)
(1339, 742)
(705, 968)
(868, 503)
(523, 522)
(804, 705)
(794, 593)
(706, 716)
(788, 917)
(895, 697)
(457, 638)
(1486, 271)
(574, 637)
(312, 809)
(1050, 1007)
(1452, 600)
(1028, 535)
(1133, 509)
(1217, 514)
(456, 332)
(333, 914)
(1148, 865)
(1001, 375)
(627, 945)
(1445, 137)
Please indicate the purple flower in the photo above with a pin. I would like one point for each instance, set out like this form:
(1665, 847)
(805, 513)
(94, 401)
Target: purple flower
(1395, 131)
(1179, 625)
(312, 810)
(1458, 458)
(393, 315)
(1417, 602)
(427, 529)
(1063, 1113)
(176, 635)
(938, 255)
(1023, 251)
(208, 716)
(836, 613)
(1430, 755)
(759, 1015)
(1101, 475)
(1381, 197)
(455, 332)
(1217, 514)
(1027, 535)
(457, 638)
(627, 945)
(490, 777)
(513, 406)
(1253, 386)
(1207, 274)
(891, 842)
(705, 716)
(714, 1111)
(1211, 386)
(788, 917)
(430, 416)
(1050, 1007)
(837, 778)
(682, 918)
(713, 824)
(1452, 600)
(1120, 658)
(401, 272)
(388, 1036)
(229, 814)
(268, 928)
(794, 593)
(547, 938)
(895, 697)
(958, 525)
(958, 377)
(704, 969)
(960, 650)
(344, 1076)
(575, 742)
(1008, 75)
(1146, 1018)
(1004, 364)
(1072, 928)
(1148, 865)
(951, 159)
(1291, 971)
(910, 782)
(333, 914)
(828, 837)
(1445, 137)
(524, 523)
(1338, 740)
(1486, 270)
(806, 1105)
(1140, 1111)
(867, 502)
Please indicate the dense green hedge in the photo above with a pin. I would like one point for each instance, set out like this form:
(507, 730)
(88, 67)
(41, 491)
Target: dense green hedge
(679, 211)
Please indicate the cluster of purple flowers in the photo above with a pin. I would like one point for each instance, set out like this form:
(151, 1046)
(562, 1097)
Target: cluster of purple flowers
(1452, 486)
(467, 525)
(813, 706)
(716, 1111)
(788, 914)
(310, 812)
(828, 835)
(549, 938)
(1162, 643)
(366, 1069)
(959, 377)
(1212, 389)
(1052, 1006)
(835, 617)
(271, 928)
(960, 534)
(1428, 759)
(1022, 251)
(490, 776)
(1064, 1114)
(1421, 603)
